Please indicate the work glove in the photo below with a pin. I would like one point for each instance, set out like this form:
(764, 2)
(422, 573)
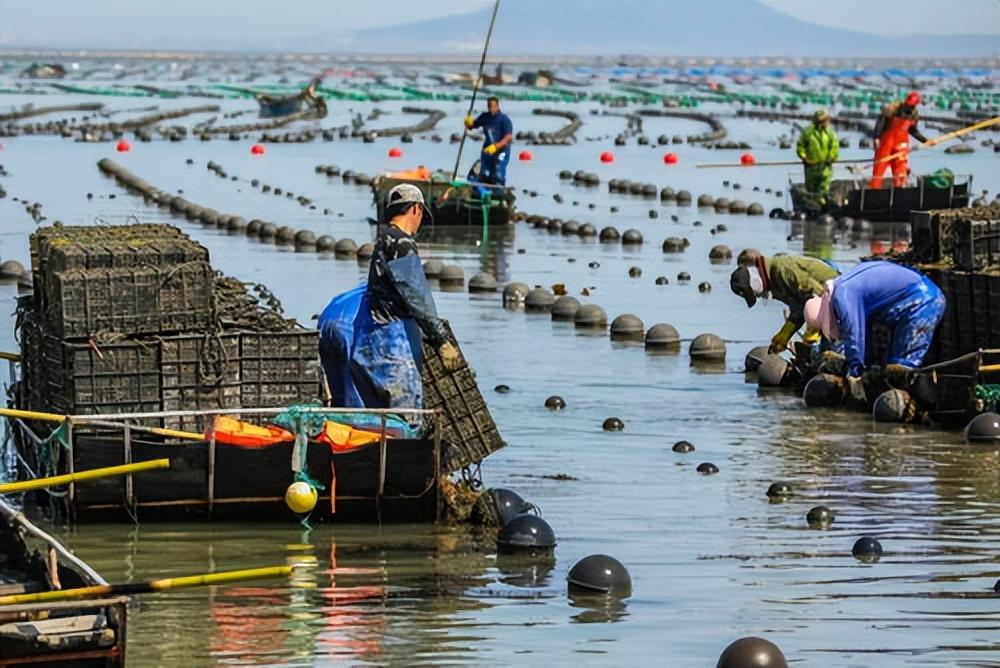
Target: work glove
(856, 388)
(491, 149)
(469, 122)
(811, 336)
(779, 342)
(449, 356)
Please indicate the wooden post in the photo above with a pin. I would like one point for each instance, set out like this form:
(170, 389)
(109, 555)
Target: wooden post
(211, 467)
(129, 487)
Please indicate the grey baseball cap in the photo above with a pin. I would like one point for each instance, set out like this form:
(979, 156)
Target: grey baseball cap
(407, 193)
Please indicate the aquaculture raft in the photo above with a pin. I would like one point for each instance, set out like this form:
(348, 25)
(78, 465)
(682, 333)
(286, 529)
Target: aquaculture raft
(853, 198)
(72, 634)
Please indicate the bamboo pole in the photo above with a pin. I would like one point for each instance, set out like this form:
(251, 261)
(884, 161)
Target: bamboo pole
(92, 474)
(55, 417)
(167, 584)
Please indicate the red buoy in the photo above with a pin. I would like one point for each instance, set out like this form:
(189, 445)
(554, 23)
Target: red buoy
(257, 149)
(395, 152)
(607, 157)
(747, 159)
(670, 158)
(525, 156)
(123, 146)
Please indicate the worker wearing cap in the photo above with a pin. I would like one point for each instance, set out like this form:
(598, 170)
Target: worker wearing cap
(792, 280)
(893, 130)
(903, 300)
(393, 295)
(818, 149)
(498, 133)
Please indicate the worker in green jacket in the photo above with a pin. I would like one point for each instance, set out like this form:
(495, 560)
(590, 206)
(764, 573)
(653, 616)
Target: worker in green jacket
(818, 149)
(792, 280)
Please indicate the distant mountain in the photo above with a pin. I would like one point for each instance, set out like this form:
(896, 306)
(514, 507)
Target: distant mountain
(642, 27)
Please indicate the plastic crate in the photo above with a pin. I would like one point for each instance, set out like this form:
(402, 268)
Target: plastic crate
(279, 368)
(975, 244)
(131, 301)
(468, 430)
(963, 296)
(198, 372)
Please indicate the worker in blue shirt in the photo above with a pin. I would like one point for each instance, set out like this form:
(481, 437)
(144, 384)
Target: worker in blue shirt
(908, 303)
(498, 133)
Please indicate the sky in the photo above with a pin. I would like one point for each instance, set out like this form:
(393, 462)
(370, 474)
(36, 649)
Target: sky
(235, 23)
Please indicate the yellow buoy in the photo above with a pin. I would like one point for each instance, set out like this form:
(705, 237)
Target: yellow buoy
(301, 497)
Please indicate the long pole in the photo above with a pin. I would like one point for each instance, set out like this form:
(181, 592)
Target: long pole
(92, 474)
(56, 417)
(940, 139)
(147, 587)
(475, 88)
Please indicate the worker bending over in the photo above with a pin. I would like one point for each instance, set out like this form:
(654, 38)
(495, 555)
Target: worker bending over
(790, 279)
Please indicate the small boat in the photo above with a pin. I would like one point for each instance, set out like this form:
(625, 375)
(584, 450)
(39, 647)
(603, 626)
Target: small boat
(855, 199)
(461, 202)
(70, 634)
(44, 71)
(305, 100)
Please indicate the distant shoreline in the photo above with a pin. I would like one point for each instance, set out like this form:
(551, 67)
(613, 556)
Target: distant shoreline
(473, 59)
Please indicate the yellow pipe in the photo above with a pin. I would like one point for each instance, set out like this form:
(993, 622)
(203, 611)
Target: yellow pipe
(989, 368)
(93, 474)
(55, 417)
(10, 357)
(147, 587)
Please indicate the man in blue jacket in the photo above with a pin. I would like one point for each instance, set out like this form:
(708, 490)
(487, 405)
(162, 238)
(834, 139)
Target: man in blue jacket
(498, 133)
(908, 303)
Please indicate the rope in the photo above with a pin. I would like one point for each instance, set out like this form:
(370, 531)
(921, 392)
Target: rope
(475, 87)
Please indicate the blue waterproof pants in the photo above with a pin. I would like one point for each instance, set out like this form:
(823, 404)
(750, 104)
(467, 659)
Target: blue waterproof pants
(913, 320)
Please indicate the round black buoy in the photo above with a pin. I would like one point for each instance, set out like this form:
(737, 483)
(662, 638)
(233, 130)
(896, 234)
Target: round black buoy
(748, 257)
(565, 308)
(751, 652)
(683, 277)
(824, 390)
(892, 406)
(452, 275)
(613, 424)
(632, 237)
(11, 270)
(433, 267)
(555, 403)
(984, 428)
(820, 517)
(662, 280)
(707, 468)
(704, 286)
(365, 252)
(673, 245)
(707, 347)
(773, 371)
(502, 388)
(483, 282)
(325, 243)
(661, 336)
(635, 272)
(683, 447)
(590, 316)
(508, 504)
(345, 248)
(608, 235)
(867, 549)
(720, 253)
(753, 359)
(779, 490)
(514, 293)
(627, 327)
(526, 534)
(539, 300)
(599, 574)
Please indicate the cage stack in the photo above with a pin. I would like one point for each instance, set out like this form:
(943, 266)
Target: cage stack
(133, 319)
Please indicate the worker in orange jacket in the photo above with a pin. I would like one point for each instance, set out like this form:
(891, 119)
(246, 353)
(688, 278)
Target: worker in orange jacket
(893, 130)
